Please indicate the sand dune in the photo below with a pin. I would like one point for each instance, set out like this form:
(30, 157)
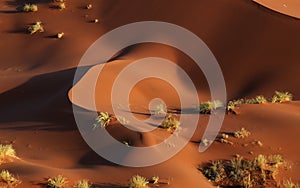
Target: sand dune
(256, 48)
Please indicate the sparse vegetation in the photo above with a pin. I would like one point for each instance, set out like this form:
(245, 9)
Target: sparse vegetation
(243, 133)
(170, 123)
(138, 182)
(9, 179)
(83, 184)
(57, 182)
(30, 8)
(7, 152)
(102, 120)
(36, 27)
(240, 172)
(282, 97)
(278, 97)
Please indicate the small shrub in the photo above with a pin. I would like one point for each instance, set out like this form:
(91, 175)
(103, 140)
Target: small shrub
(36, 27)
(82, 184)
(170, 123)
(280, 97)
(57, 182)
(7, 152)
(138, 182)
(102, 120)
(9, 179)
(243, 133)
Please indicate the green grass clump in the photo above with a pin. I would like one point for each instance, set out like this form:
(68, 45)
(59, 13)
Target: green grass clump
(208, 106)
(280, 97)
(36, 27)
(243, 133)
(83, 184)
(170, 123)
(9, 179)
(102, 120)
(30, 8)
(57, 182)
(7, 152)
(137, 181)
(240, 172)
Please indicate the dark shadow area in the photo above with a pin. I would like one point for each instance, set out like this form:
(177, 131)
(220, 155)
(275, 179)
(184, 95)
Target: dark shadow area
(92, 158)
(44, 98)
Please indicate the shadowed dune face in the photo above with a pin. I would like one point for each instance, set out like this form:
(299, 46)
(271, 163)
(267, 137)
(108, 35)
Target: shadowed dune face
(256, 48)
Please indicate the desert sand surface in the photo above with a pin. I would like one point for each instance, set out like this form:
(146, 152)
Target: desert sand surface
(256, 48)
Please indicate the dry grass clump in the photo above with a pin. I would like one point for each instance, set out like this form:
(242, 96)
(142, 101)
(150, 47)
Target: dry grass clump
(102, 120)
(30, 8)
(36, 27)
(240, 172)
(7, 178)
(57, 182)
(170, 123)
(83, 184)
(138, 181)
(243, 133)
(7, 153)
(280, 97)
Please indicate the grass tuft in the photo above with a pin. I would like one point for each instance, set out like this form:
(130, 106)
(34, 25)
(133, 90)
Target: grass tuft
(30, 8)
(137, 181)
(6, 153)
(280, 97)
(83, 184)
(57, 182)
(9, 179)
(36, 27)
(102, 120)
(170, 123)
(243, 133)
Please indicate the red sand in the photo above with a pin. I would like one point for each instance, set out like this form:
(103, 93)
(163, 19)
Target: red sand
(257, 49)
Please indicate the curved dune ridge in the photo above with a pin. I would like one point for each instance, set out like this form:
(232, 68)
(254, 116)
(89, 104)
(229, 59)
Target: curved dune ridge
(288, 7)
(257, 50)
